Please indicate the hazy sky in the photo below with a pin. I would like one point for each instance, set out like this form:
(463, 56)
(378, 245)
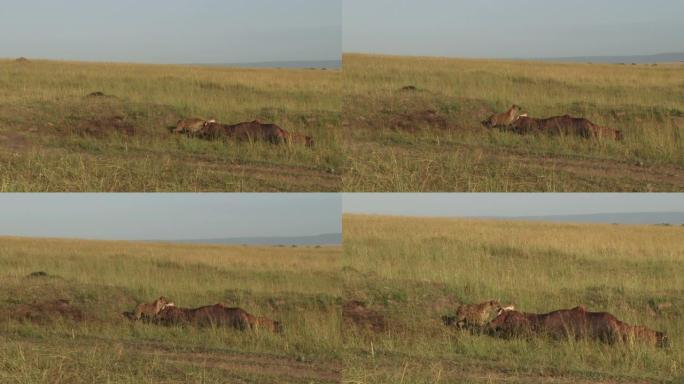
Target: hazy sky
(168, 216)
(172, 31)
(509, 204)
(513, 28)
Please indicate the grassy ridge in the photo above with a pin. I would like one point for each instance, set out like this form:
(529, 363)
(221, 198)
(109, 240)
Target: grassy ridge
(53, 138)
(298, 286)
(415, 270)
(645, 102)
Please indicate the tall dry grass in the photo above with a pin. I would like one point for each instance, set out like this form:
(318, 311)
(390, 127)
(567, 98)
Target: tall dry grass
(298, 286)
(645, 102)
(414, 270)
(44, 111)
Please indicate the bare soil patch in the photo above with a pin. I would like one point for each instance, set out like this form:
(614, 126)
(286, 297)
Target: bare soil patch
(356, 313)
(412, 113)
(13, 141)
(414, 121)
(45, 312)
(102, 126)
(99, 115)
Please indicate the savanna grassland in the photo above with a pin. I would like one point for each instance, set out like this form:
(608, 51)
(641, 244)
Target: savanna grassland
(53, 137)
(395, 143)
(299, 286)
(414, 270)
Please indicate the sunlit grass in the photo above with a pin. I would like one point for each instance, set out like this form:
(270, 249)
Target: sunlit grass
(415, 270)
(298, 286)
(45, 108)
(645, 102)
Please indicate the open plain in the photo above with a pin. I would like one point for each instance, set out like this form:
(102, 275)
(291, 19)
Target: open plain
(413, 124)
(105, 127)
(66, 324)
(409, 272)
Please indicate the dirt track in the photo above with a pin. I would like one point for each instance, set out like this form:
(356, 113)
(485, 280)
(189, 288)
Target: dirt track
(277, 369)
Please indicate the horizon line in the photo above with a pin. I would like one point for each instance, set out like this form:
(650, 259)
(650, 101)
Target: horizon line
(183, 64)
(536, 58)
(540, 218)
(168, 241)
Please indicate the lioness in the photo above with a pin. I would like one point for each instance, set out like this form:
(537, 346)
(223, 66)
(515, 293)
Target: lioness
(263, 322)
(641, 334)
(298, 138)
(191, 126)
(475, 316)
(503, 119)
(148, 311)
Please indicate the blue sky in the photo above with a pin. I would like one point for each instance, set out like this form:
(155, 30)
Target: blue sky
(172, 31)
(513, 28)
(509, 204)
(169, 216)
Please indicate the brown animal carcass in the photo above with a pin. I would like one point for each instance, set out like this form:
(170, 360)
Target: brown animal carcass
(47, 312)
(255, 131)
(252, 131)
(211, 131)
(216, 315)
(576, 322)
(564, 126)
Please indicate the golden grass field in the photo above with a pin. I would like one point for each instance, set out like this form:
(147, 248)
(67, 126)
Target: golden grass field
(299, 286)
(54, 138)
(414, 270)
(394, 146)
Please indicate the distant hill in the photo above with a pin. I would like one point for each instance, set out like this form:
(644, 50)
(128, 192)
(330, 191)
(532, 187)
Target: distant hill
(320, 64)
(673, 218)
(676, 57)
(324, 239)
